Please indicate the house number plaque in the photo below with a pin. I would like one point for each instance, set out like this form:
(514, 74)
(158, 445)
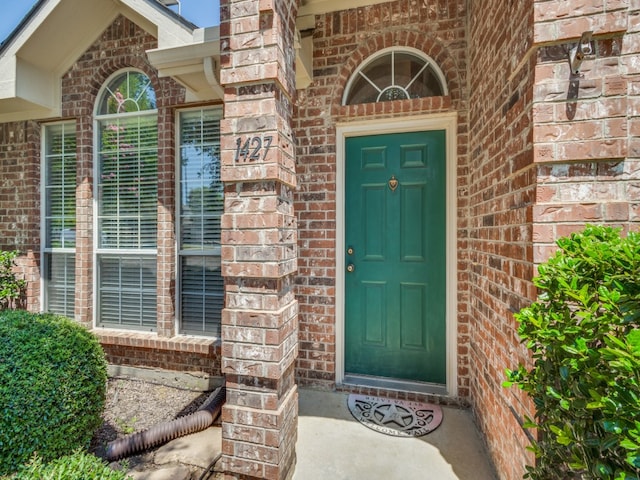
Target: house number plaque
(252, 149)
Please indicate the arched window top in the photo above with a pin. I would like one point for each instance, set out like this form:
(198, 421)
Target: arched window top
(126, 92)
(395, 74)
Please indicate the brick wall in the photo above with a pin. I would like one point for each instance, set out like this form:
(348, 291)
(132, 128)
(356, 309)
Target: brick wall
(259, 254)
(586, 127)
(550, 152)
(20, 202)
(502, 180)
(120, 46)
(341, 41)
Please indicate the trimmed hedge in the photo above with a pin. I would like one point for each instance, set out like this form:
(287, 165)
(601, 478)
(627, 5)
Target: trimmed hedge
(52, 387)
(77, 466)
(584, 335)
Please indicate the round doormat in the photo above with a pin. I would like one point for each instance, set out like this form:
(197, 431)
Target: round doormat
(399, 418)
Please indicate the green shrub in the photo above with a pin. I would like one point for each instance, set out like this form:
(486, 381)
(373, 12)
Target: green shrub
(11, 287)
(52, 387)
(585, 342)
(77, 466)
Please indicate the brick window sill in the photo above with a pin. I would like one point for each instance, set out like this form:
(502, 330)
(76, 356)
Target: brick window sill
(204, 346)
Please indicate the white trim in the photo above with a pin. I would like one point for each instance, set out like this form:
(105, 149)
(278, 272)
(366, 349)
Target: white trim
(43, 222)
(96, 251)
(448, 123)
(44, 273)
(177, 201)
(95, 169)
(178, 220)
(393, 50)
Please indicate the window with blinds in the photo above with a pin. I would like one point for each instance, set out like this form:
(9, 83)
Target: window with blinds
(201, 296)
(59, 218)
(127, 203)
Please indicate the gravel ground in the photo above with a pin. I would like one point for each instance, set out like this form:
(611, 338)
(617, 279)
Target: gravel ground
(134, 405)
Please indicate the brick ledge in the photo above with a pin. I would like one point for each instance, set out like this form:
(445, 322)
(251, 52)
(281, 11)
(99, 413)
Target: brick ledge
(152, 341)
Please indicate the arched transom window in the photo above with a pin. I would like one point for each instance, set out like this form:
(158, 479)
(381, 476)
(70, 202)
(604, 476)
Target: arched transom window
(127, 92)
(395, 74)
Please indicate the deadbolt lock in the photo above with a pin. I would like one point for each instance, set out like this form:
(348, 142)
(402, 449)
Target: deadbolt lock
(350, 251)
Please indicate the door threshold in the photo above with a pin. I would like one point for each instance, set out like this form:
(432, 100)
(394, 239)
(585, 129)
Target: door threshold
(395, 384)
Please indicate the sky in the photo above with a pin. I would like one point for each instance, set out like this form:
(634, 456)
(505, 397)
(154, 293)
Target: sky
(203, 13)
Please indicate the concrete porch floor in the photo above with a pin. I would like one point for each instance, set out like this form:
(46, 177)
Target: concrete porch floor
(333, 445)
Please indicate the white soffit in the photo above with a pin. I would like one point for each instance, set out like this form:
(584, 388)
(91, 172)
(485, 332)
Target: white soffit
(196, 65)
(318, 7)
(55, 36)
(58, 33)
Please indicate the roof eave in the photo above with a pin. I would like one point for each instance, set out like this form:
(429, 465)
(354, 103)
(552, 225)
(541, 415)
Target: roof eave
(35, 56)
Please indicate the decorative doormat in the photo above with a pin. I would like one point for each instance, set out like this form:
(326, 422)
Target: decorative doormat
(399, 418)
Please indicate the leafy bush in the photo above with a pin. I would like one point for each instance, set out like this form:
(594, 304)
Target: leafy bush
(11, 288)
(52, 387)
(584, 337)
(77, 466)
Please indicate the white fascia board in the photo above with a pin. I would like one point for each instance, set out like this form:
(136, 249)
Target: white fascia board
(192, 53)
(192, 65)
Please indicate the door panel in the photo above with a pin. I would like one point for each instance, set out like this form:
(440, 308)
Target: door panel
(412, 298)
(373, 201)
(411, 239)
(373, 308)
(395, 295)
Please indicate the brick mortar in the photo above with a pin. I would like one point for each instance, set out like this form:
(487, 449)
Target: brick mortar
(258, 204)
(341, 42)
(501, 195)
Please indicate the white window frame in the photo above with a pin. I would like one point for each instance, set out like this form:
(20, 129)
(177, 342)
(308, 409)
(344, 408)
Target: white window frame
(439, 121)
(44, 250)
(97, 251)
(429, 63)
(213, 252)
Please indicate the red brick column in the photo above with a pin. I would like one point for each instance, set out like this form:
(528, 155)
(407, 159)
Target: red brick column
(259, 253)
(84, 218)
(166, 221)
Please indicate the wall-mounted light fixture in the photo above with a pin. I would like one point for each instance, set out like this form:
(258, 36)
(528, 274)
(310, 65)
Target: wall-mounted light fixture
(577, 53)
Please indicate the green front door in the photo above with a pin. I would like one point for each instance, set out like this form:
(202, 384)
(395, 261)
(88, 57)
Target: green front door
(395, 280)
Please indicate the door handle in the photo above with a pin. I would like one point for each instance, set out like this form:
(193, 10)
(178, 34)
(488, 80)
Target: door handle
(351, 267)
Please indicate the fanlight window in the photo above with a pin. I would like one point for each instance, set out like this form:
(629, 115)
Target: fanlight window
(395, 75)
(128, 92)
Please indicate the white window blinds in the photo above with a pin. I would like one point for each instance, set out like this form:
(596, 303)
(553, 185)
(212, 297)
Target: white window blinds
(127, 204)
(201, 204)
(59, 213)
(128, 183)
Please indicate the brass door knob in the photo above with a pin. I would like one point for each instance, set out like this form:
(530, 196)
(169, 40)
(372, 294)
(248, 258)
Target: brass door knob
(351, 267)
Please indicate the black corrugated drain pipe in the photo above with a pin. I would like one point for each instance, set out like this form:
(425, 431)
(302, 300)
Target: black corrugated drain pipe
(166, 431)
